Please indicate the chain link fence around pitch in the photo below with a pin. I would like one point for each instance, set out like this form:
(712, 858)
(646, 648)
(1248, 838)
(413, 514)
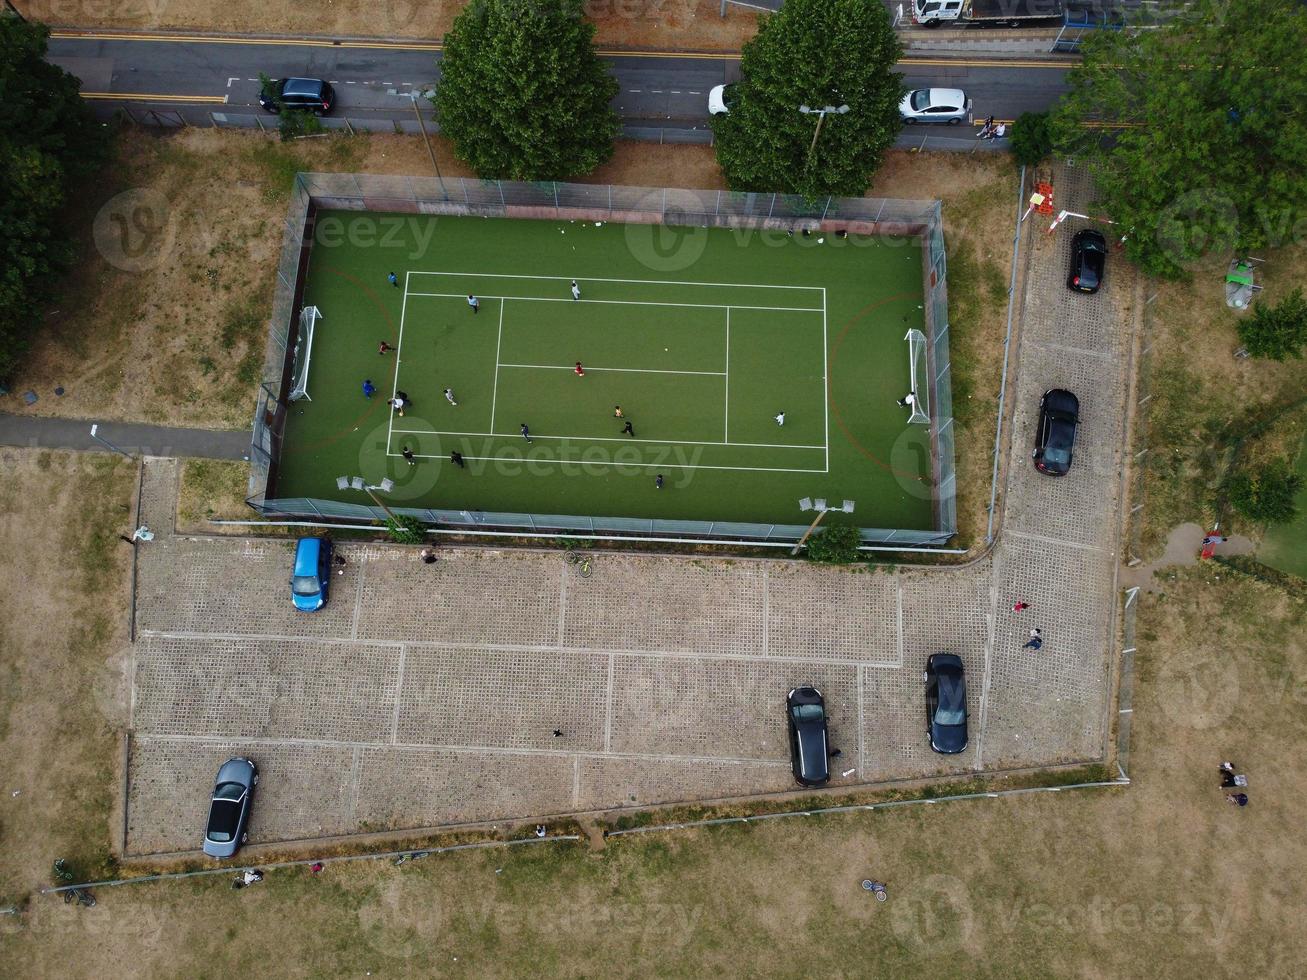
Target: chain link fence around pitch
(644, 205)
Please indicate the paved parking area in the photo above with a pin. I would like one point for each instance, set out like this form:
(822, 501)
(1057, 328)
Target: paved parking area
(428, 695)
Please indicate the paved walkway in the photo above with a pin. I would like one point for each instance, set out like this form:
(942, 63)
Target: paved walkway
(428, 695)
(47, 432)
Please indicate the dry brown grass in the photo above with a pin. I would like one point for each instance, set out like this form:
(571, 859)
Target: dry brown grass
(215, 489)
(680, 24)
(64, 600)
(1205, 400)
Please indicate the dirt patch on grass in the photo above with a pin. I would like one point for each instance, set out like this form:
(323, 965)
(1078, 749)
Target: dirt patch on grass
(63, 635)
(681, 24)
(1081, 883)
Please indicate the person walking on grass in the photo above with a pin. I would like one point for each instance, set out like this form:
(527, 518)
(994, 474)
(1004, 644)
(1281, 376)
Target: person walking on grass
(780, 418)
(580, 371)
(473, 302)
(456, 458)
(628, 430)
(449, 397)
(617, 412)
(576, 290)
(408, 456)
(526, 433)
(368, 388)
(393, 280)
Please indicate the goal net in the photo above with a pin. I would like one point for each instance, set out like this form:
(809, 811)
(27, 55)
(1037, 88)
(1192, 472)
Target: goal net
(920, 377)
(309, 316)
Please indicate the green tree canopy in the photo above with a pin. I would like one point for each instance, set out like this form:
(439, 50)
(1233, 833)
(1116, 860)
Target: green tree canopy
(1265, 493)
(50, 147)
(522, 95)
(814, 53)
(1278, 331)
(1211, 156)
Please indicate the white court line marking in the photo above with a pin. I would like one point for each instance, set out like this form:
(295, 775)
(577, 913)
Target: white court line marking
(399, 349)
(569, 367)
(825, 375)
(665, 442)
(494, 393)
(631, 302)
(234, 79)
(726, 434)
(654, 282)
(658, 466)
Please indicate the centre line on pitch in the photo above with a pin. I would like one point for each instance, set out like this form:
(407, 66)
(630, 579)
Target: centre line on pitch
(568, 367)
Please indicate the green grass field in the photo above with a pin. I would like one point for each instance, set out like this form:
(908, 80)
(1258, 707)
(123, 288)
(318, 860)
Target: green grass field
(701, 336)
(1285, 545)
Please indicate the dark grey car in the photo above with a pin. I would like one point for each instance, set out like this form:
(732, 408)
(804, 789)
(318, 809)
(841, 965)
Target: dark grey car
(946, 703)
(229, 809)
(806, 711)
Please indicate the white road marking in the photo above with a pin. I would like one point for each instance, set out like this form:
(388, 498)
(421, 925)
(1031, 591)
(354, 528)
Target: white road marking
(230, 80)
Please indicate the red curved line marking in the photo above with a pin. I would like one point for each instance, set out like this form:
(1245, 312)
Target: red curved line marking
(830, 394)
(373, 406)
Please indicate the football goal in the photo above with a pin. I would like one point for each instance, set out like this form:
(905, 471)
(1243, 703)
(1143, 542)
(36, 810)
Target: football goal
(309, 316)
(920, 376)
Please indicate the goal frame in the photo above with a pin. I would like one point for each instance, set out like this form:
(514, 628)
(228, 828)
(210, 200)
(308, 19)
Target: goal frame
(917, 351)
(309, 317)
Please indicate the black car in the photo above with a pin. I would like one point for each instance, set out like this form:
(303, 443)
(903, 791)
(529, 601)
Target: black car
(946, 703)
(1088, 259)
(229, 808)
(806, 710)
(309, 94)
(1059, 415)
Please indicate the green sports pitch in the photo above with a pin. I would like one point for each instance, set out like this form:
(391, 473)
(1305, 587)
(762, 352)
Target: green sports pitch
(755, 369)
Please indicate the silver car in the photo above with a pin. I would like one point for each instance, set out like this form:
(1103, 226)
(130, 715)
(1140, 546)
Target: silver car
(229, 809)
(935, 105)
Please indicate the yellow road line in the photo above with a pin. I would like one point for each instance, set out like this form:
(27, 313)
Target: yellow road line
(148, 97)
(437, 46)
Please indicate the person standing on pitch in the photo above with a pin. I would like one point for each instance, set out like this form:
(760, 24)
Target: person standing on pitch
(628, 430)
(408, 456)
(780, 418)
(658, 482)
(449, 397)
(456, 458)
(908, 400)
(393, 280)
(526, 433)
(576, 290)
(368, 388)
(617, 412)
(473, 302)
(580, 371)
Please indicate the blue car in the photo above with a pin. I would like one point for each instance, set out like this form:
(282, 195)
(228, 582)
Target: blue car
(311, 575)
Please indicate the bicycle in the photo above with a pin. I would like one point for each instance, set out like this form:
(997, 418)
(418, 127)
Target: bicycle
(82, 896)
(61, 872)
(877, 887)
(582, 562)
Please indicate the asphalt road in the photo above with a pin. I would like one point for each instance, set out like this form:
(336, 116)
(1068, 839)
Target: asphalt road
(374, 80)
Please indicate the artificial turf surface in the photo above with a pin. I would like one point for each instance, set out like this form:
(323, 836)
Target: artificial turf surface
(702, 336)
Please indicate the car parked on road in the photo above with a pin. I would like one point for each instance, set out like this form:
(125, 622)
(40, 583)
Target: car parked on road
(308, 94)
(229, 809)
(1055, 437)
(721, 99)
(1088, 259)
(310, 576)
(935, 105)
(946, 703)
(805, 710)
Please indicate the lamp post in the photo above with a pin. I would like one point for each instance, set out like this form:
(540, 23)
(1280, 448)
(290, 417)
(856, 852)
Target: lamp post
(821, 118)
(413, 96)
(106, 442)
(358, 483)
(819, 505)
